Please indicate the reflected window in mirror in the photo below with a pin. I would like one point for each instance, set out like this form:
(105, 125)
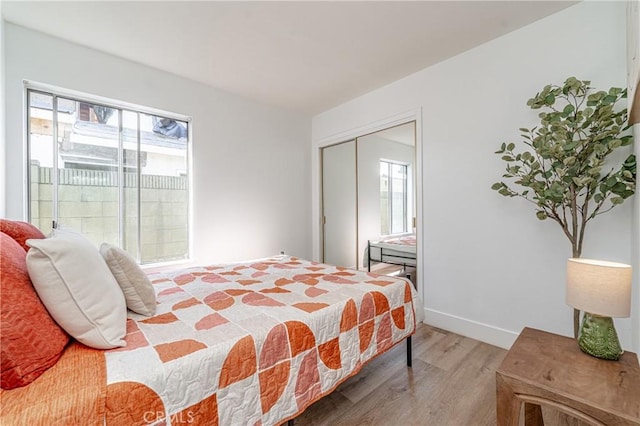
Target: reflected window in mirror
(393, 198)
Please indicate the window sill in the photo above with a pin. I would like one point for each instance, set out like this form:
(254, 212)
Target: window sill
(153, 268)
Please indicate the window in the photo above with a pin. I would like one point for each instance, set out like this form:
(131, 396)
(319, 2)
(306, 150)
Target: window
(393, 198)
(116, 174)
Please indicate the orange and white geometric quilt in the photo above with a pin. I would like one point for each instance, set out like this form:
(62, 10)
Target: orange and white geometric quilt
(252, 343)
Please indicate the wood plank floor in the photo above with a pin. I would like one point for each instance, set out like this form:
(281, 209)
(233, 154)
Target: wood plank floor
(452, 382)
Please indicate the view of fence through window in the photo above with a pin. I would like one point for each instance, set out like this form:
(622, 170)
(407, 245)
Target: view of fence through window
(116, 175)
(393, 198)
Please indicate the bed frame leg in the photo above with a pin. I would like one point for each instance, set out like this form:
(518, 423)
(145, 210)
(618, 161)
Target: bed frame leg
(409, 351)
(290, 422)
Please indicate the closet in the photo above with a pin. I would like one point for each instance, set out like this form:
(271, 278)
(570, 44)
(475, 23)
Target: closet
(368, 193)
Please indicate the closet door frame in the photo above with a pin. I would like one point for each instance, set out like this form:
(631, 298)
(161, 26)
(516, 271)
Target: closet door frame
(347, 135)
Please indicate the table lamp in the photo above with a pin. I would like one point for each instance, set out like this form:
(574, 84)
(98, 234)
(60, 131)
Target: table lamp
(602, 290)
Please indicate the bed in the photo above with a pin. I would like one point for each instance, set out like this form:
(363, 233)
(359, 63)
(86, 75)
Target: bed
(395, 250)
(252, 342)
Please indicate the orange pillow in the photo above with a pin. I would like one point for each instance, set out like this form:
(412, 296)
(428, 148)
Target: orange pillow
(30, 341)
(20, 231)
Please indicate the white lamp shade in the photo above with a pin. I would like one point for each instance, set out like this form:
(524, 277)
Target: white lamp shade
(599, 287)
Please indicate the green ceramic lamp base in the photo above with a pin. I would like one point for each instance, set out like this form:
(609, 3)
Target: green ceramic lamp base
(598, 337)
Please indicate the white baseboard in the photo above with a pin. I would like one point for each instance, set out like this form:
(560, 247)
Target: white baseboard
(476, 330)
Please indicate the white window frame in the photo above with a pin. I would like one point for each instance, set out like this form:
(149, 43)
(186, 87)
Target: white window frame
(58, 92)
(390, 198)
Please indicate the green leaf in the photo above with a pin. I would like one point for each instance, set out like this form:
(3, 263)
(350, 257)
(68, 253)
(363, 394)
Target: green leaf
(496, 186)
(630, 162)
(615, 143)
(511, 146)
(594, 171)
(615, 91)
(570, 146)
(619, 188)
(541, 215)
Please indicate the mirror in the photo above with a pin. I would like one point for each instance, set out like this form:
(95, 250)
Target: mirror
(368, 196)
(386, 197)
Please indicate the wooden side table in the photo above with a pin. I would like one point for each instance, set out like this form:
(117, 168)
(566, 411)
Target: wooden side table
(544, 369)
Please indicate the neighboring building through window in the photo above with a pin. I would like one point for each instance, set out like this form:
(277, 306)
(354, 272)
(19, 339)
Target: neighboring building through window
(393, 198)
(117, 174)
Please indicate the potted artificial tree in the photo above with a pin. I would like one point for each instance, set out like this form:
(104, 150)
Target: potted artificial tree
(564, 169)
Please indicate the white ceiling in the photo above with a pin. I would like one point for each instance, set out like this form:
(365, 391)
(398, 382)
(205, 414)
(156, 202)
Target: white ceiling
(304, 56)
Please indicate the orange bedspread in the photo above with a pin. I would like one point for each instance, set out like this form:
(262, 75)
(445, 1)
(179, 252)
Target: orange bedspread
(72, 392)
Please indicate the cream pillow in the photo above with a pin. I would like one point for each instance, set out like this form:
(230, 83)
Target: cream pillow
(138, 290)
(78, 289)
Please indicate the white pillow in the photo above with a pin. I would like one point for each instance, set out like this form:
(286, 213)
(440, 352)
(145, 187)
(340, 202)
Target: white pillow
(138, 290)
(78, 289)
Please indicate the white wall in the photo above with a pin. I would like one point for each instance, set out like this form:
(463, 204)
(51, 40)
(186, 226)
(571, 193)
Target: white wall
(250, 161)
(635, 255)
(633, 76)
(489, 266)
(2, 116)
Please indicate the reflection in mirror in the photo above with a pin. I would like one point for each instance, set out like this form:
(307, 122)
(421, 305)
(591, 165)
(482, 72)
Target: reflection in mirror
(393, 197)
(386, 195)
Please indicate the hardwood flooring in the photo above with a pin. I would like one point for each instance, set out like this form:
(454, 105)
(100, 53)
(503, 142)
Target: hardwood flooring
(451, 383)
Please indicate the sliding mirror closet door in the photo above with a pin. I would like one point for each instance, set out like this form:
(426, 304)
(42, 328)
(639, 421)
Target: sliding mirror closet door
(339, 204)
(386, 185)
